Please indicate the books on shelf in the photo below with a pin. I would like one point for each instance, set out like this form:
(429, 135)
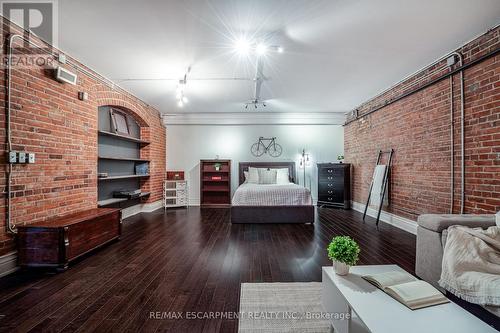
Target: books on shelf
(216, 178)
(407, 289)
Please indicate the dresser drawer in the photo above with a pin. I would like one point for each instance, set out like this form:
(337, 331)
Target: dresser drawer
(331, 198)
(331, 171)
(324, 187)
(330, 179)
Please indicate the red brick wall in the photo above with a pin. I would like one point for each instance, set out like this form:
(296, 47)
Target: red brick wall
(418, 129)
(49, 120)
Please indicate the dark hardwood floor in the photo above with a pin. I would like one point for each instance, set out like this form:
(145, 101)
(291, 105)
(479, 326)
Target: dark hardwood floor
(184, 261)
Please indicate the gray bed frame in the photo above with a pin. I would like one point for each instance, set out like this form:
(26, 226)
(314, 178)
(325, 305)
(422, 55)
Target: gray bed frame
(270, 214)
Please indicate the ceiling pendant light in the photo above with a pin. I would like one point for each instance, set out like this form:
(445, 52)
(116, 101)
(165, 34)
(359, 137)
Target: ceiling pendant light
(261, 49)
(242, 46)
(179, 92)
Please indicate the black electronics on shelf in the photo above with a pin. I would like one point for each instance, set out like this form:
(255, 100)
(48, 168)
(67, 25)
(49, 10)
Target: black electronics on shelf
(334, 185)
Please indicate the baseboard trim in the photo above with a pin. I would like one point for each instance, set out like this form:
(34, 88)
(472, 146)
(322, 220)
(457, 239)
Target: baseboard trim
(8, 263)
(142, 208)
(389, 218)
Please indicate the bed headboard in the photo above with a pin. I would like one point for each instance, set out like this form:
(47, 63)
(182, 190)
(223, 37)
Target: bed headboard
(243, 166)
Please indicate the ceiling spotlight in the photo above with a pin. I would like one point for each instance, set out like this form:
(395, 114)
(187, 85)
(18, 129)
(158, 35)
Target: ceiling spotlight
(180, 104)
(280, 49)
(261, 49)
(184, 99)
(242, 46)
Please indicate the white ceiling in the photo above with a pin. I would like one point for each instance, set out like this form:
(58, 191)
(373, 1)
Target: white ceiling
(338, 53)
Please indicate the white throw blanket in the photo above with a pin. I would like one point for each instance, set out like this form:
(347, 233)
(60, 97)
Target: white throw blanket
(272, 195)
(471, 264)
(378, 183)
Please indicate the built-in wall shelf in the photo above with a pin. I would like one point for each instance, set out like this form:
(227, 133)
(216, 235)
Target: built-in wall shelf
(122, 159)
(120, 156)
(124, 137)
(123, 177)
(112, 201)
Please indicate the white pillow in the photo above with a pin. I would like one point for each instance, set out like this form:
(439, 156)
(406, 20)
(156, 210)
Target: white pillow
(497, 219)
(253, 176)
(267, 176)
(282, 176)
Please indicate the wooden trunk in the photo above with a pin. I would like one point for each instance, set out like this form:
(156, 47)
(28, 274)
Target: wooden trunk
(56, 242)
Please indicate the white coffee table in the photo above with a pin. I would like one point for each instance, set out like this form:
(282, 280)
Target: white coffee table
(374, 311)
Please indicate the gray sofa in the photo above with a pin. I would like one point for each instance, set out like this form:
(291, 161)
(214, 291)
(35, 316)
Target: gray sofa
(431, 238)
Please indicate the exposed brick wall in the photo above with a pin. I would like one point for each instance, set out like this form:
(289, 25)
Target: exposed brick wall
(49, 120)
(417, 127)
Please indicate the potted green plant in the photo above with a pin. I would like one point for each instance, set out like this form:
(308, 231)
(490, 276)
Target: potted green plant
(344, 252)
(217, 166)
(340, 158)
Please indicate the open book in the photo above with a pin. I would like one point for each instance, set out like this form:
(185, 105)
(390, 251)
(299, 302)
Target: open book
(407, 289)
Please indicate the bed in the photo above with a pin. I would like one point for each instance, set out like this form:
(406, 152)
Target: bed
(256, 203)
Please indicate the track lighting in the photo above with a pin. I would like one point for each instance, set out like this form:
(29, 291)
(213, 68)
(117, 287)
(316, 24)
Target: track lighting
(244, 46)
(179, 91)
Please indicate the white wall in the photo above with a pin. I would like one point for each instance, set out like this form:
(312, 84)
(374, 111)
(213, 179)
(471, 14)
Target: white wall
(187, 144)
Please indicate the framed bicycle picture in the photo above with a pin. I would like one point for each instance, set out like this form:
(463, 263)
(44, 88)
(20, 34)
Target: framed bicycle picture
(119, 122)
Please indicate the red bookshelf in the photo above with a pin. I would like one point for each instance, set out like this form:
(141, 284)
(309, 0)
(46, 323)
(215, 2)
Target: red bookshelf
(215, 185)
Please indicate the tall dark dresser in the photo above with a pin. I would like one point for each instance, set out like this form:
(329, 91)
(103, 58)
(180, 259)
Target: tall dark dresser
(334, 185)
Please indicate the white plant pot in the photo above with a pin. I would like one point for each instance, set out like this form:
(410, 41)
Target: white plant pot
(340, 268)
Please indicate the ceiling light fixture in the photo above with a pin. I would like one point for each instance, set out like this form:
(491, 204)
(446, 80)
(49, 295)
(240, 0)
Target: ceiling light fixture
(179, 92)
(242, 46)
(261, 49)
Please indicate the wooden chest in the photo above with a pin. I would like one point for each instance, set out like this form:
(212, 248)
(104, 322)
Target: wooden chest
(56, 242)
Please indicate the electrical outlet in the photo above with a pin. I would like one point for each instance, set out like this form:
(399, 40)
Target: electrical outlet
(21, 157)
(31, 158)
(12, 157)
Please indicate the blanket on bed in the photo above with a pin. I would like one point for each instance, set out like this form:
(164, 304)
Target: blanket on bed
(471, 264)
(272, 195)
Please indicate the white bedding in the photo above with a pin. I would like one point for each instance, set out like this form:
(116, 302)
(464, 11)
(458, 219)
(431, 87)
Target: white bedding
(272, 195)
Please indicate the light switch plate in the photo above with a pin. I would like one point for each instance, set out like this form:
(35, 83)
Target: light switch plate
(12, 157)
(31, 158)
(21, 157)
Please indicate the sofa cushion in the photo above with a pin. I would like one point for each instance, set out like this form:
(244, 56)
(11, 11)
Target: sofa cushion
(439, 222)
